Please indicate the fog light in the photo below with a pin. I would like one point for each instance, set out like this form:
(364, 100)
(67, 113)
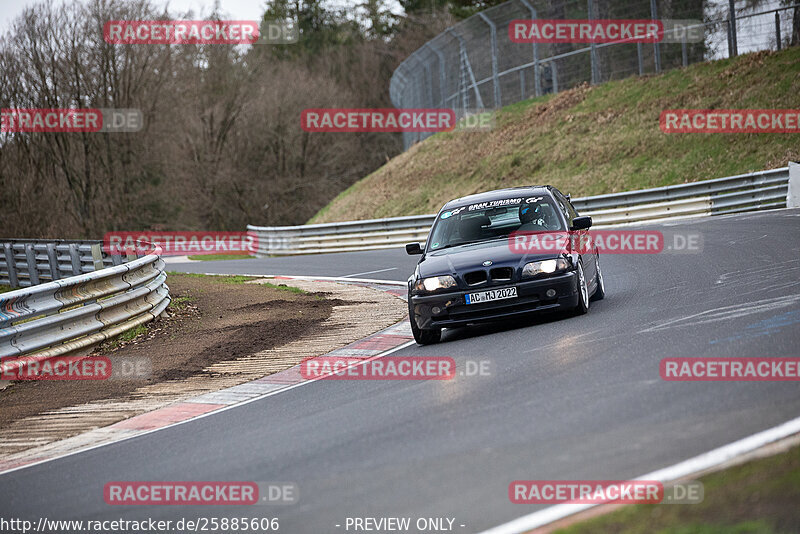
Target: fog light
(551, 293)
(436, 310)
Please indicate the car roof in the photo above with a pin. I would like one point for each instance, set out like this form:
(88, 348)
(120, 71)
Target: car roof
(499, 194)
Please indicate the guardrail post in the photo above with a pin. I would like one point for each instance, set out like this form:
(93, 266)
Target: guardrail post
(11, 264)
(33, 269)
(793, 193)
(75, 259)
(52, 260)
(778, 30)
(97, 256)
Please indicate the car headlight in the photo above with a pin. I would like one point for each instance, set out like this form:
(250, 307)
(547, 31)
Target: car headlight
(544, 267)
(435, 282)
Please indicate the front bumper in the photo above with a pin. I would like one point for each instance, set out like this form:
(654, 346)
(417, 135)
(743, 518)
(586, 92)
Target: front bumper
(454, 310)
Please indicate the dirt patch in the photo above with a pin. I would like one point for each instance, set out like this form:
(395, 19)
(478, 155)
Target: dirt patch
(210, 320)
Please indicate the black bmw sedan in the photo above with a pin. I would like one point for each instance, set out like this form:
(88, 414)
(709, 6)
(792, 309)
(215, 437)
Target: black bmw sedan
(478, 263)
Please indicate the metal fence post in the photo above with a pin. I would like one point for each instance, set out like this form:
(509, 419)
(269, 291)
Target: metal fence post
(554, 76)
(732, 9)
(641, 60)
(11, 265)
(462, 47)
(593, 47)
(442, 76)
(778, 29)
(495, 80)
(656, 47)
(730, 38)
(430, 85)
(684, 53)
(537, 81)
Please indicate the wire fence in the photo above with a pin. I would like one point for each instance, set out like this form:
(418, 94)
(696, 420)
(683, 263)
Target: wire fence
(475, 65)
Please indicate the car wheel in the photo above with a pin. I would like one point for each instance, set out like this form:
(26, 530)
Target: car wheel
(600, 290)
(583, 292)
(422, 336)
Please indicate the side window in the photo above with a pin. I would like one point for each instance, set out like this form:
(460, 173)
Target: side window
(562, 204)
(572, 211)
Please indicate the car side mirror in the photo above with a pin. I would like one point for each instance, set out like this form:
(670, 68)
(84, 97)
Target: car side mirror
(413, 248)
(581, 223)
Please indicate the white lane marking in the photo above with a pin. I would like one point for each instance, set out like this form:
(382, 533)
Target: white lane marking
(726, 313)
(370, 272)
(306, 277)
(685, 468)
(201, 416)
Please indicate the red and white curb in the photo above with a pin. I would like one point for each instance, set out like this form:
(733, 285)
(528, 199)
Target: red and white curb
(376, 345)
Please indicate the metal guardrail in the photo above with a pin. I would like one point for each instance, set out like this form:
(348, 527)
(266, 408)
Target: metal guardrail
(28, 262)
(67, 314)
(733, 194)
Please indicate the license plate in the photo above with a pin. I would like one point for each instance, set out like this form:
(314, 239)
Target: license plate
(492, 294)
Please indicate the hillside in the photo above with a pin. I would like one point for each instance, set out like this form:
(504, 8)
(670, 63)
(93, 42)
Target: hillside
(591, 140)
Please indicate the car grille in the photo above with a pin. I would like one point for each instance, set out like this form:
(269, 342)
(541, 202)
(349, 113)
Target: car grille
(502, 274)
(475, 277)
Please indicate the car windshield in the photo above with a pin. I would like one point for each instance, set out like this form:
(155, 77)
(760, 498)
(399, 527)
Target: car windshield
(494, 219)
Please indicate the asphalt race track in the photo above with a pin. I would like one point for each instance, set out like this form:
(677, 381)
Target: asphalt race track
(568, 398)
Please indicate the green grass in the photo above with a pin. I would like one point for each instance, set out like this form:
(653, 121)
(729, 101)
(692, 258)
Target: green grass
(5, 289)
(180, 303)
(218, 257)
(237, 279)
(234, 279)
(758, 497)
(283, 287)
(128, 335)
(591, 140)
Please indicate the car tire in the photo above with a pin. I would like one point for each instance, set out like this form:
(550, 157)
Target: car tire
(600, 290)
(421, 335)
(583, 291)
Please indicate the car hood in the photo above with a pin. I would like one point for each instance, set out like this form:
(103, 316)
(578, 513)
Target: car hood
(458, 260)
